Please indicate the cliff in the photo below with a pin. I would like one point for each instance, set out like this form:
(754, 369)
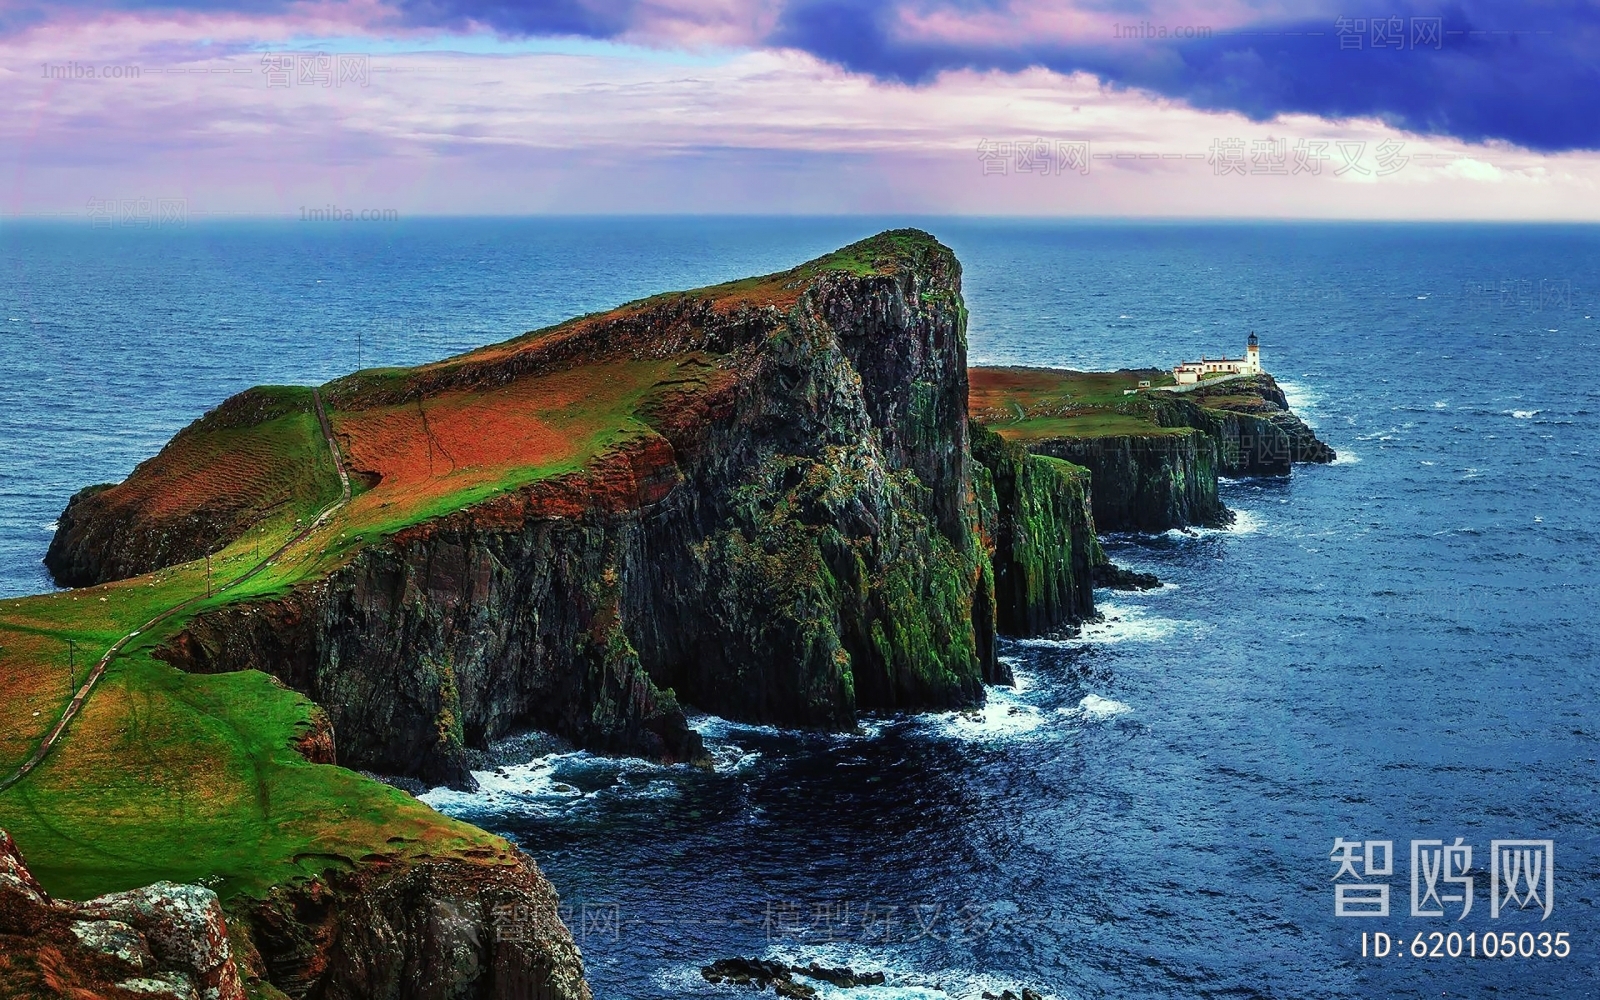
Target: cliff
(1257, 432)
(256, 454)
(1153, 456)
(1146, 481)
(439, 929)
(1040, 533)
(778, 526)
(429, 931)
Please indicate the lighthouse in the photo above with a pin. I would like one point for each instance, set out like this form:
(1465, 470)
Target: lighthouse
(1192, 372)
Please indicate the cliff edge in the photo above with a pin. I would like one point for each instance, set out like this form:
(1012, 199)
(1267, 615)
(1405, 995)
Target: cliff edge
(1153, 456)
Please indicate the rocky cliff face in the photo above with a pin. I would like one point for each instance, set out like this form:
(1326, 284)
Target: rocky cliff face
(432, 930)
(795, 541)
(1041, 535)
(439, 930)
(1146, 482)
(1265, 438)
(1167, 477)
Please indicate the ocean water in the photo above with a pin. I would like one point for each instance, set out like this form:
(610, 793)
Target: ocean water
(1399, 646)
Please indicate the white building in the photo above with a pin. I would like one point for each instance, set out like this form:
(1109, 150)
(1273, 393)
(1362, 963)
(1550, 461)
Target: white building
(1190, 372)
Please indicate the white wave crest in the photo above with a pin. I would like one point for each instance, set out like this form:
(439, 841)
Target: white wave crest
(1301, 399)
(902, 980)
(1120, 623)
(1244, 522)
(1093, 706)
(1004, 715)
(550, 785)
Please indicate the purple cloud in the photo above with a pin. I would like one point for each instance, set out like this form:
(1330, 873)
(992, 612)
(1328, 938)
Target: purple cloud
(1518, 71)
(1521, 71)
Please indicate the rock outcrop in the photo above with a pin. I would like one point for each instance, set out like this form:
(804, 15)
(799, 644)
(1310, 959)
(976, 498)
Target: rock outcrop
(165, 941)
(1147, 482)
(442, 929)
(760, 974)
(1154, 457)
(432, 930)
(1267, 437)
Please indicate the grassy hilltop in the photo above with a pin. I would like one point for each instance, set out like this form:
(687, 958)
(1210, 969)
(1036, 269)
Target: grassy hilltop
(1028, 404)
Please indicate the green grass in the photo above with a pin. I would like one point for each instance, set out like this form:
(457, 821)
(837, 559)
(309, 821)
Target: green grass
(1039, 403)
(185, 777)
(255, 459)
(167, 775)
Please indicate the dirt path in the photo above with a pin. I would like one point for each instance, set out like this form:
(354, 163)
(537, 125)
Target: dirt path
(99, 670)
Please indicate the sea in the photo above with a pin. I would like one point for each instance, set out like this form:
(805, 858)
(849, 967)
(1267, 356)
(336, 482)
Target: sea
(1358, 698)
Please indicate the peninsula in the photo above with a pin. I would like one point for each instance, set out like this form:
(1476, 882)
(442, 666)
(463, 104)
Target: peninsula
(782, 500)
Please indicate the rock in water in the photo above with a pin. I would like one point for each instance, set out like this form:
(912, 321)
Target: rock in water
(1108, 574)
(760, 973)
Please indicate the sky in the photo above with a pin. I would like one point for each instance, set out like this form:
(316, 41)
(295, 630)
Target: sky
(150, 113)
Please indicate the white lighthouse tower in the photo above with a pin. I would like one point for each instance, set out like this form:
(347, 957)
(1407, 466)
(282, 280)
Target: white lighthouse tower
(1191, 372)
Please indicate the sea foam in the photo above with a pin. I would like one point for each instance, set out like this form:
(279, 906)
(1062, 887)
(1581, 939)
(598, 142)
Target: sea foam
(1094, 707)
(903, 981)
(555, 784)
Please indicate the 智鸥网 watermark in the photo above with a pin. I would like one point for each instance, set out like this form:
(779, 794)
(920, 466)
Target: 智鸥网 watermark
(138, 213)
(1443, 883)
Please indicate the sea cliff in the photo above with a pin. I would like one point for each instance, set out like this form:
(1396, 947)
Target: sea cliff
(1154, 455)
(1041, 535)
(786, 534)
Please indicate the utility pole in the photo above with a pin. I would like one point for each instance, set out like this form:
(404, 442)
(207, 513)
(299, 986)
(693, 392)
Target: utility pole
(72, 667)
(208, 574)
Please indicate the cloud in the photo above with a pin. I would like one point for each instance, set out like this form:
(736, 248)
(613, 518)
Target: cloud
(1520, 71)
(584, 18)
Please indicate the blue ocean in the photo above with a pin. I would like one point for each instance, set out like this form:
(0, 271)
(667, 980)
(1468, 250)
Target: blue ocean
(1399, 647)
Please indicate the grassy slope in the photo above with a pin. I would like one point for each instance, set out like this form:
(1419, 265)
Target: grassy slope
(169, 775)
(177, 776)
(1026, 404)
(166, 775)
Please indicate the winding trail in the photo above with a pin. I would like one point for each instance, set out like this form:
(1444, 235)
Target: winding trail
(99, 670)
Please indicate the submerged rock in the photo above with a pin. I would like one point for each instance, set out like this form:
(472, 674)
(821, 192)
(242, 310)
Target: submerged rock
(760, 974)
(1108, 574)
